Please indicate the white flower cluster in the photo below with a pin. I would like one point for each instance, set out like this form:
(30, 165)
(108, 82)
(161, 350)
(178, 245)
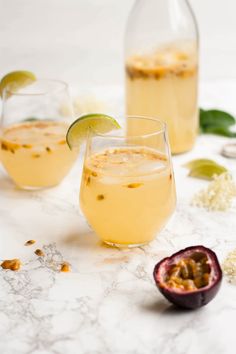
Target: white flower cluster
(229, 266)
(219, 194)
(84, 105)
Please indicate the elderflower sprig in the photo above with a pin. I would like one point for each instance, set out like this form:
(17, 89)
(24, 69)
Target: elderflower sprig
(219, 194)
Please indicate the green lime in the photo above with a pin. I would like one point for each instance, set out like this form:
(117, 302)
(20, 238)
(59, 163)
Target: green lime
(198, 162)
(204, 168)
(207, 171)
(15, 80)
(98, 123)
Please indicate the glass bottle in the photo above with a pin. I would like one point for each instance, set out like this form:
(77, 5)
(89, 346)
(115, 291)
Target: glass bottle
(161, 60)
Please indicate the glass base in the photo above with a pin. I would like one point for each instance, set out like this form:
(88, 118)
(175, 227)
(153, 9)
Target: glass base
(124, 245)
(35, 188)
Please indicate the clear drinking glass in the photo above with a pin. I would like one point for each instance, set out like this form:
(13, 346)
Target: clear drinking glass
(127, 191)
(161, 61)
(33, 146)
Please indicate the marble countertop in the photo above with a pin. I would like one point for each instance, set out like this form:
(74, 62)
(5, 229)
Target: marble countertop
(108, 303)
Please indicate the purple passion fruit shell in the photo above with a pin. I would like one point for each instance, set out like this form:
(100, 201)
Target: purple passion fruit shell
(189, 278)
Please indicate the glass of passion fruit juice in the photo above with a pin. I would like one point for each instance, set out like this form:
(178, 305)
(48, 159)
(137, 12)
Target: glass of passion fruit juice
(128, 191)
(33, 147)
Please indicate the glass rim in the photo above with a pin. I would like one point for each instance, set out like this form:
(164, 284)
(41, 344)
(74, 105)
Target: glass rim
(161, 130)
(61, 85)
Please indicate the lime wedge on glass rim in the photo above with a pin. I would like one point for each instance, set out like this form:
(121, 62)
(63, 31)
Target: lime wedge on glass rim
(96, 122)
(16, 80)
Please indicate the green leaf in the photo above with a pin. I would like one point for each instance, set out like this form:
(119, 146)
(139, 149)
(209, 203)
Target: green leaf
(215, 118)
(214, 121)
(30, 119)
(33, 119)
(224, 131)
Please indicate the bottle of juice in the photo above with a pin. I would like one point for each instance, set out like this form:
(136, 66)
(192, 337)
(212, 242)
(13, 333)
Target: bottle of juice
(161, 63)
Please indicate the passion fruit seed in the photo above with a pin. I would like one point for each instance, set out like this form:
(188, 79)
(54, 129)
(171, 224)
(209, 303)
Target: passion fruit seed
(39, 253)
(189, 274)
(189, 278)
(29, 242)
(11, 264)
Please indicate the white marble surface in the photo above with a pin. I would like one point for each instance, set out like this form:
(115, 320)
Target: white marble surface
(109, 304)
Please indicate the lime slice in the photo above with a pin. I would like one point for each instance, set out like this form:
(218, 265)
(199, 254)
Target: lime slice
(198, 162)
(207, 171)
(15, 80)
(204, 168)
(98, 123)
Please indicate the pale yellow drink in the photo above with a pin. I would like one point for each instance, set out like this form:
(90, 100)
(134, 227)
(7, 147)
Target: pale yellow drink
(163, 84)
(127, 194)
(35, 154)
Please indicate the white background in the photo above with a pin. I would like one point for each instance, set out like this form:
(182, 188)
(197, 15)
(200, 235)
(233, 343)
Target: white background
(81, 41)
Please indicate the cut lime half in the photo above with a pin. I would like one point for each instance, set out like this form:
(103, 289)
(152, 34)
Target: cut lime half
(97, 123)
(16, 80)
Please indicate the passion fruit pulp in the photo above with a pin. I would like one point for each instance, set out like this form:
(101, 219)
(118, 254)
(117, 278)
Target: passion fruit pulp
(189, 278)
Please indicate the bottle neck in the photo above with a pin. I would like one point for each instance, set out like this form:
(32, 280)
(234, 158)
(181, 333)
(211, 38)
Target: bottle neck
(164, 4)
(173, 12)
(153, 23)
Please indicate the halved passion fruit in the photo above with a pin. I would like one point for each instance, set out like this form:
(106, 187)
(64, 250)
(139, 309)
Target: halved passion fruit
(189, 278)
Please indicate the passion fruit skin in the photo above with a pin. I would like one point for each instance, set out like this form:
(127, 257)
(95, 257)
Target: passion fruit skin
(189, 299)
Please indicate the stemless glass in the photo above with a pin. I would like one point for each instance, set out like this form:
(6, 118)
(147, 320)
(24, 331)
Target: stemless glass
(127, 191)
(33, 146)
